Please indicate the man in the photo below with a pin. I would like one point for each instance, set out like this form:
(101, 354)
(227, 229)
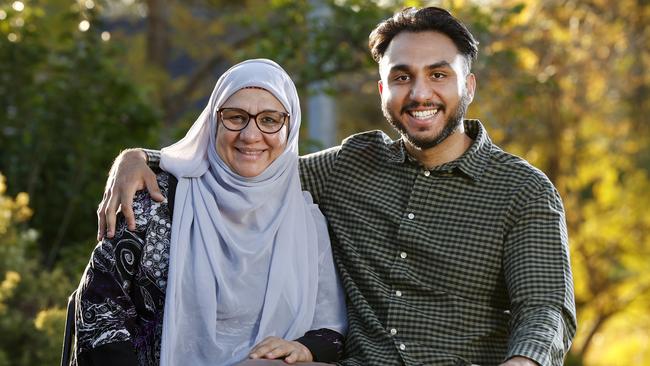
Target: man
(451, 251)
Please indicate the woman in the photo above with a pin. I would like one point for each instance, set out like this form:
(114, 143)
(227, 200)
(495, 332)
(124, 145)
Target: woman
(240, 262)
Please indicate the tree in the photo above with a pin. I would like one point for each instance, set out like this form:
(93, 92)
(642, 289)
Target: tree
(30, 297)
(67, 111)
(562, 84)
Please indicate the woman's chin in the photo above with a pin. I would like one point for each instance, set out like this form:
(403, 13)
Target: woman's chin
(249, 170)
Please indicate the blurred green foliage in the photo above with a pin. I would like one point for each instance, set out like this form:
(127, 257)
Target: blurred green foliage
(31, 309)
(66, 111)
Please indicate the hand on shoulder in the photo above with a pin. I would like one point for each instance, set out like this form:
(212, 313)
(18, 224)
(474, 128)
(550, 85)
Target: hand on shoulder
(128, 174)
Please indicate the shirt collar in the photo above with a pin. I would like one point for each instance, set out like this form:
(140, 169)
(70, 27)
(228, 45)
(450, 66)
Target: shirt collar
(472, 163)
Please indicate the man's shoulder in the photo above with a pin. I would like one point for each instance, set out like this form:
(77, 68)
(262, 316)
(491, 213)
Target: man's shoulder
(518, 169)
(353, 144)
(374, 138)
(372, 146)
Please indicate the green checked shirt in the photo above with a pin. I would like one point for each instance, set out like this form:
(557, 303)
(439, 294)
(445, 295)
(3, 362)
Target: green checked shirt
(466, 263)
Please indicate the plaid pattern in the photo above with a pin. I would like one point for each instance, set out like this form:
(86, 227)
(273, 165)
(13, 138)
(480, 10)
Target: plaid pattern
(466, 263)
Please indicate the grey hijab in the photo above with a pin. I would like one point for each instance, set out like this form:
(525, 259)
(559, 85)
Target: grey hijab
(250, 257)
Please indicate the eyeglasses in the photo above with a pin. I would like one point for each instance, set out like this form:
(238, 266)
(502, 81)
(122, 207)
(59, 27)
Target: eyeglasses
(235, 119)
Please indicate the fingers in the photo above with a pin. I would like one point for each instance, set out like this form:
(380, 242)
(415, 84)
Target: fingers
(300, 353)
(110, 212)
(274, 347)
(262, 348)
(127, 210)
(270, 347)
(151, 183)
(293, 357)
(101, 219)
(128, 174)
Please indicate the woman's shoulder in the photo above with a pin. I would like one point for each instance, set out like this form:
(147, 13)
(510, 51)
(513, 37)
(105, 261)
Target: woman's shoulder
(147, 209)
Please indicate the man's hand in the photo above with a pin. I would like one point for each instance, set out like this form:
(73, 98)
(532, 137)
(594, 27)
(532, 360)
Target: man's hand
(128, 174)
(519, 361)
(274, 347)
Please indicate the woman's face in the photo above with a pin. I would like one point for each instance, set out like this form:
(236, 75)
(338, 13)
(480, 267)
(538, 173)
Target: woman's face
(250, 151)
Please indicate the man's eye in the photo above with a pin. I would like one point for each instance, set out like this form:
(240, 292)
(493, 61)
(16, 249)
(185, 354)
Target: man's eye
(402, 78)
(438, 75)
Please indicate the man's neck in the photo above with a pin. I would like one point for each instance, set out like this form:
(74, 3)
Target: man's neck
(449, 150)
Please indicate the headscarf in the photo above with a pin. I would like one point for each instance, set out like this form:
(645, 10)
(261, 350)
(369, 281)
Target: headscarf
(249, 257)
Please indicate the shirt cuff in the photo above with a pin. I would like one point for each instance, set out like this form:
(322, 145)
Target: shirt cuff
(536, 352)
(153, 158)
(118, 353)
(324, 344)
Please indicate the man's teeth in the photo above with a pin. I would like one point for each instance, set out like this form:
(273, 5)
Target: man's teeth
(424, 114)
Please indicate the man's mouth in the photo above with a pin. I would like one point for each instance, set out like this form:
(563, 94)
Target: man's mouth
(423, 114)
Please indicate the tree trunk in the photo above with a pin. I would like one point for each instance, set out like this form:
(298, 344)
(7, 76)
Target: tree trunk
(158, 33)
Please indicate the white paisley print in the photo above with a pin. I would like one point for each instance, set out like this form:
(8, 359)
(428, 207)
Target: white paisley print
(122, 293)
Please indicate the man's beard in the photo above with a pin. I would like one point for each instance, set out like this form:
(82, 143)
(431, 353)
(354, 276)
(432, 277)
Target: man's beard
(451, 124)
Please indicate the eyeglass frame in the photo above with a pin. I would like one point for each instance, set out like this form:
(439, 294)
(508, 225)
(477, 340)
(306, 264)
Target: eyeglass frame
(285, 116)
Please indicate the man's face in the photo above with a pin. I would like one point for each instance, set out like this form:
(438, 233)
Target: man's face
(425, 87)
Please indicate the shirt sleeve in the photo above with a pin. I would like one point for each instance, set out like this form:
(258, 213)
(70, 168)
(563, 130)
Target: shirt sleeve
(315, 169)
(105, 314)
(118, 353)
(153, 158)
(324, 344)
(539, 281)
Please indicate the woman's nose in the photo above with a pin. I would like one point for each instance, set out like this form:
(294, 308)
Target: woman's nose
(250, 132)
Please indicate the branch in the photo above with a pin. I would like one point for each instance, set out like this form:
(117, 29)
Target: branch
(606, 315)
(176, 102)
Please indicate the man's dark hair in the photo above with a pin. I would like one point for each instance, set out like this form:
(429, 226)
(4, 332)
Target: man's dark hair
(422, 20)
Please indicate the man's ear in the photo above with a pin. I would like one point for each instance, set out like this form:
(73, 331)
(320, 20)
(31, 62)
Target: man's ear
(380, 86)
(470, 84)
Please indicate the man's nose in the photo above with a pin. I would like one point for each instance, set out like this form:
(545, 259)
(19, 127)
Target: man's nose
(421, 91)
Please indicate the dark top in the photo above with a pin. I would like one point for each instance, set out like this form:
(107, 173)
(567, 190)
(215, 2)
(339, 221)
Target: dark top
(121, 297)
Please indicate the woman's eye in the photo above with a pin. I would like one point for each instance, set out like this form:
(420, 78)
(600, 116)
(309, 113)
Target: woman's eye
(237, 118)
(269, 121)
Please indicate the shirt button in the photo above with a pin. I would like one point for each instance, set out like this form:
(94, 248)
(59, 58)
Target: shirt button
(403, 255)
(393, 331)
(410, 216)
(398, 293)
(427, 173)
(402, 347)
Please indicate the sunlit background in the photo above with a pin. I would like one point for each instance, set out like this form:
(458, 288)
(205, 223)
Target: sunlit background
(564, 84)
